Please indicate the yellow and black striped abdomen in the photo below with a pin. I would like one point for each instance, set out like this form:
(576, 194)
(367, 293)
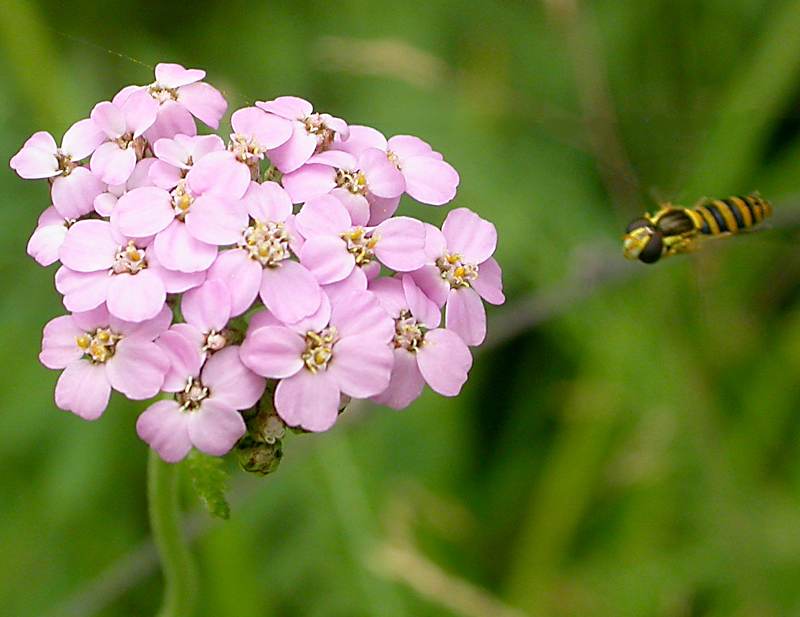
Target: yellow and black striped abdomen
(732, 215)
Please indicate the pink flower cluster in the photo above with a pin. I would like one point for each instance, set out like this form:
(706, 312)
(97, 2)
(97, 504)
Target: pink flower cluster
(207, 268)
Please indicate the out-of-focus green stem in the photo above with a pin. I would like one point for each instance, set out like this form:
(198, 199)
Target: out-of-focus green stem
(180, 584)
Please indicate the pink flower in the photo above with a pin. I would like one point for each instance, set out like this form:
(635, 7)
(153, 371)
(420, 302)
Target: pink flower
(73, 187)
(228, 173)
(428, 178)
(462, 272)
(181, 94)
(100, 266)
(123, 125)
(48, 237)
(262, 264)
(205, 412)
(362, 182)
(177, 156)
(321, 359)
(187, 226)
(104, 203)
(206, 310)
(312, 133)
(423, 352)
(334, 247)
(99, 352)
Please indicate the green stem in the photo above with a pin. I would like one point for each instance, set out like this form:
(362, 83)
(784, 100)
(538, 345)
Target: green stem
(176, 561)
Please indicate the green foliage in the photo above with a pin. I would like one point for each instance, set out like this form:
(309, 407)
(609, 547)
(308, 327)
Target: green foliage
(635, 454)
(210, 481)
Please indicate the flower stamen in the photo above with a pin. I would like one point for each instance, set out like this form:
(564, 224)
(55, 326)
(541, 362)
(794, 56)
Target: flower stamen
(360, 245)
(267, 242)
(98, 346)
(319, 348)
(409, 334)
(192, 396)
(129, 259)
(456, 272)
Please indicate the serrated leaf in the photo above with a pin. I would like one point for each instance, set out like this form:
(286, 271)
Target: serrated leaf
(210, 482)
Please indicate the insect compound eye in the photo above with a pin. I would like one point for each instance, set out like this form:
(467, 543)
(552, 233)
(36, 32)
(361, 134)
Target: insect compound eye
(637, 224)
(651, 253)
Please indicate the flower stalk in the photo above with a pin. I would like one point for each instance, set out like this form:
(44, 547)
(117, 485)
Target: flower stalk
(180, 584)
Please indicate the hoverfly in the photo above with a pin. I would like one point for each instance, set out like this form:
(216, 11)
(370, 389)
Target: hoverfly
(674, 229)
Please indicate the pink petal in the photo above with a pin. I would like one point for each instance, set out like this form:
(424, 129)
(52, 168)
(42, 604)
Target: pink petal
(185, 359)
(112, 164)
(383, 178)
(466, 316)
(88, 246)
(81, 139)
(435, 242)
(174, 281)
(109, 118)
(289, 107)
(216, 221)
(171, 75)
(267, 130)
(215, 428)
(273, 351)
(424, 309)
(83, 389)
(165, 428)
(104, 204)
(469, 235)
(290, 291)
(135, 297)
(335, 158)
(207, 307)
(315, 322)
(430, 181)
(147, 330)
(140, 111)
(406, 383)
(309, 400)
(360, 313)
(389, 292)
(177, 249)
(143, 212)
(82, 291)
(137, 369)
(230, 381)
(242, 276)
(322, 216)
(355, 281)
(140, 176)
(430, 281)
(173, 152)
(261, 319)
(401, 244)
(405, 146)
(361, 138)
(309, 181)
(381, 208)
(296, 151)
(73, 195)
(327, 258)
(193, 335)
(59, 346)
(201, 145)
(357, 206)
(220, 174)
(489, 283)
(173, 119)
(444, 361)
(37, 158)
(204, 101)
(362, 367)
(268, 202)
(124, 94)
(164, 175)
(90, 320)
(46, 241)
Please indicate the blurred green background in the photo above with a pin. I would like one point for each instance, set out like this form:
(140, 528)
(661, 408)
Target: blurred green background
(629, 441)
